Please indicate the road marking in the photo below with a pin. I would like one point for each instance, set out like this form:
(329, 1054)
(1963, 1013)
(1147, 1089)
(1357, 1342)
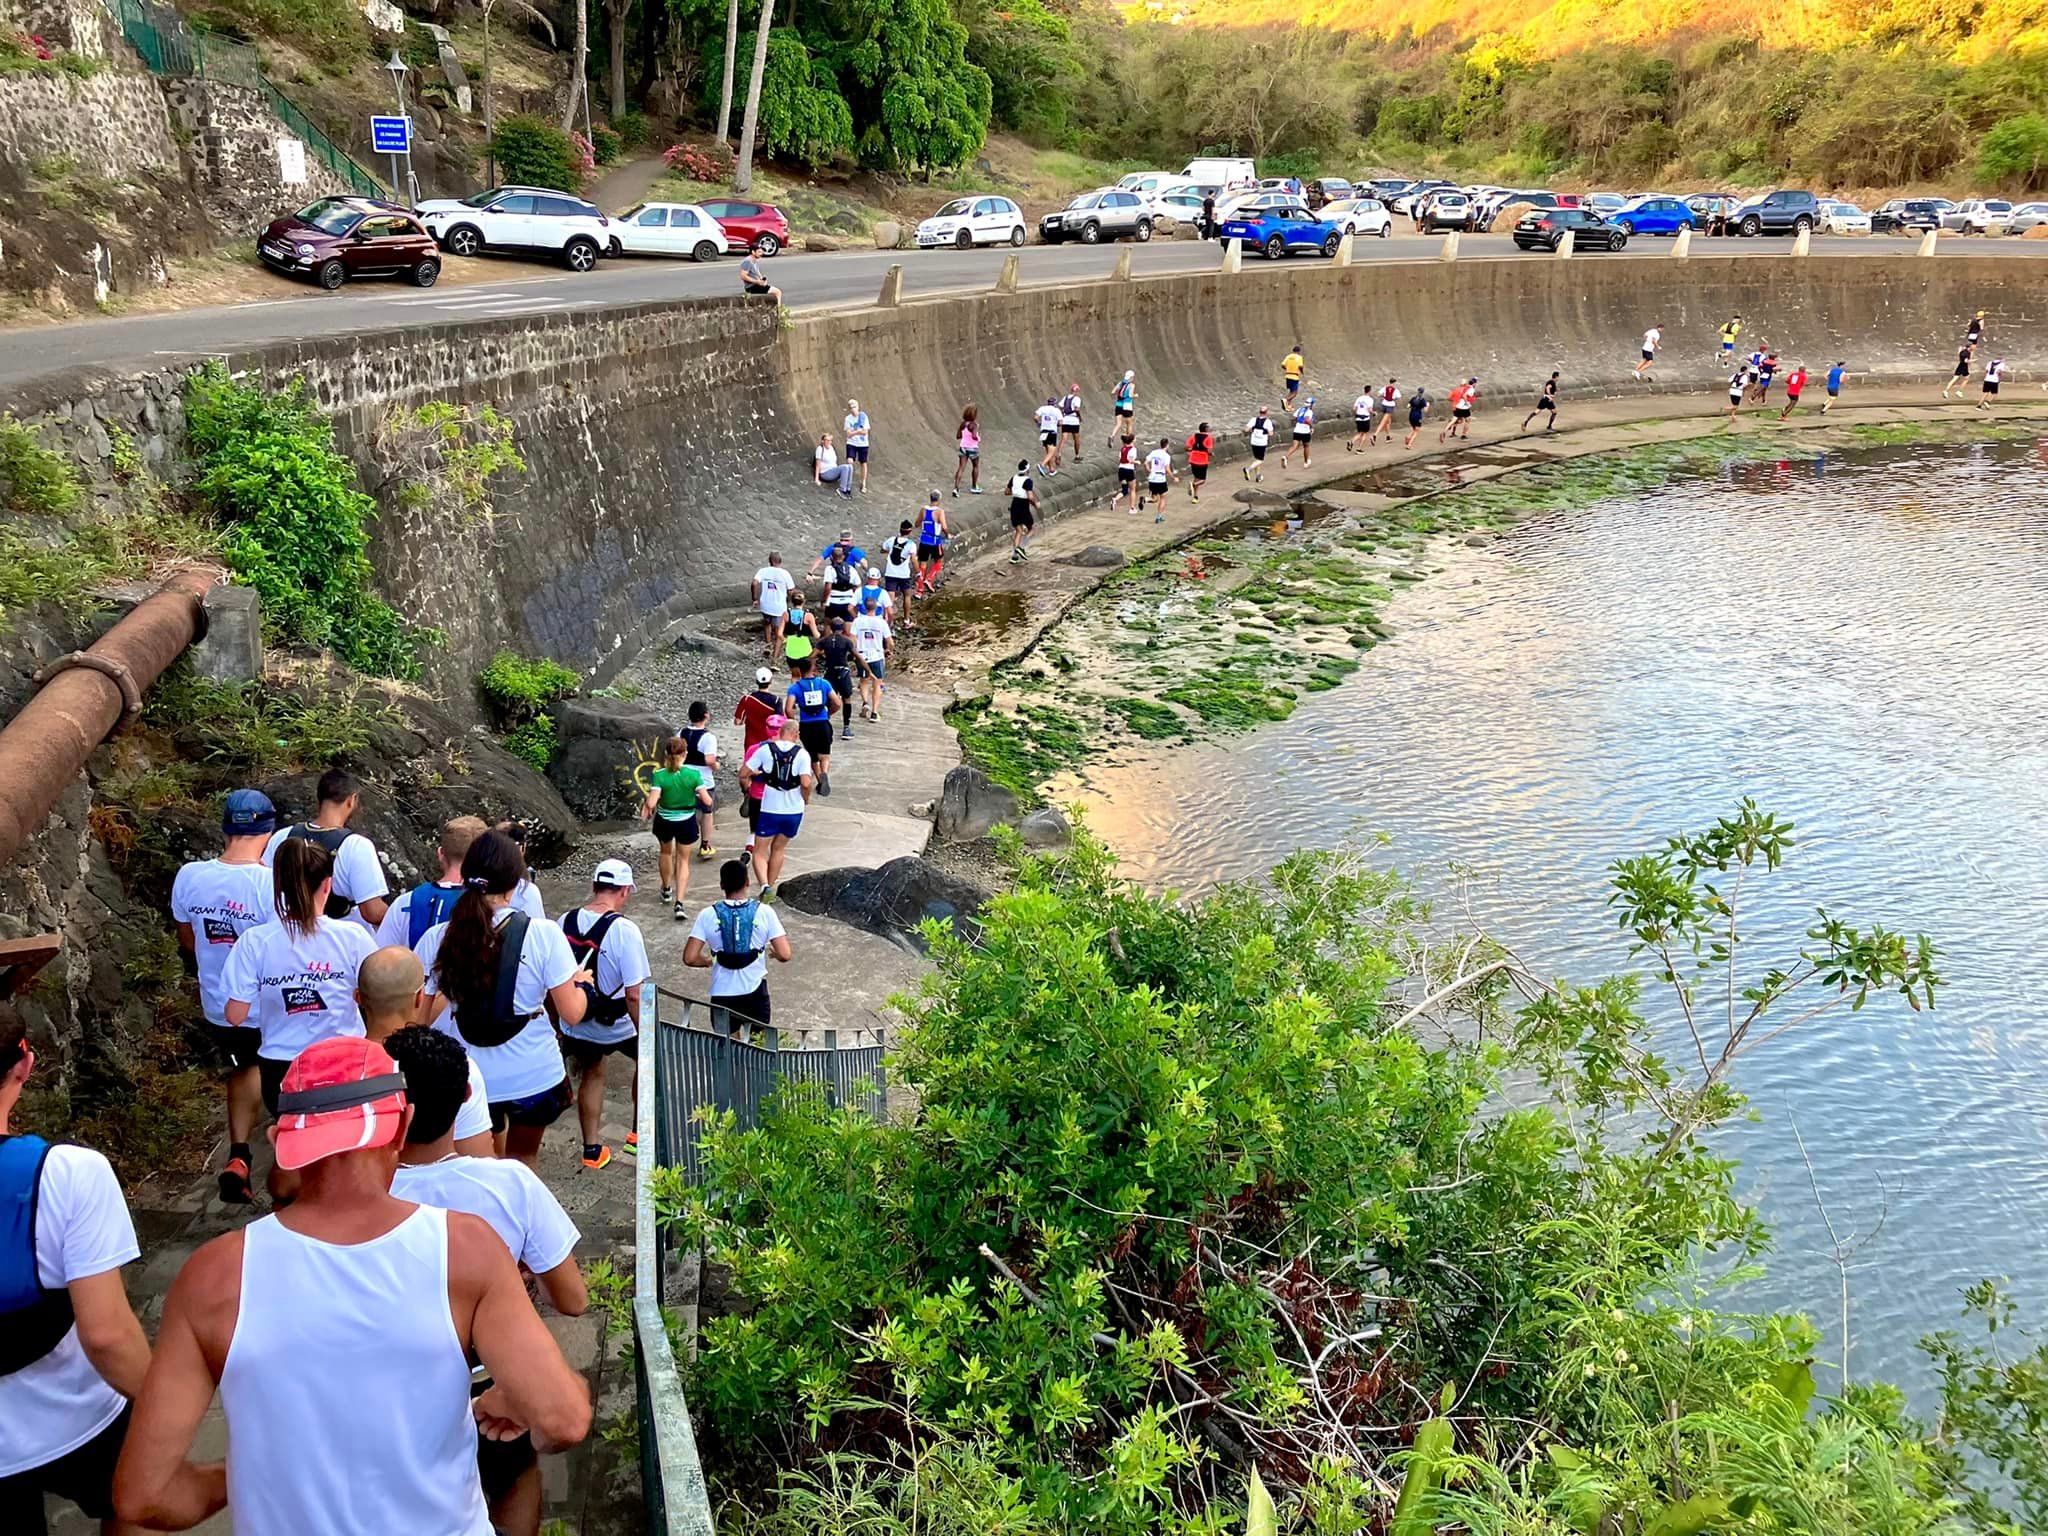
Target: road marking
(448, 300)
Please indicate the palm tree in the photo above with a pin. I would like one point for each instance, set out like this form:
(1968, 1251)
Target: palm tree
(490, 123)
(576, 85)
(732, 46)
(615, 34)
(743, 171)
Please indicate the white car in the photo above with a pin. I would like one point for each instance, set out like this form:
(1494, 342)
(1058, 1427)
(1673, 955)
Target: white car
(520, 219)
(2025, 217)
(1843, 219)
(1979, 216)
(1360, 216)
(1256, 202)
(970, 221)
(1150, 184)
(667, 229)
(1182, 205)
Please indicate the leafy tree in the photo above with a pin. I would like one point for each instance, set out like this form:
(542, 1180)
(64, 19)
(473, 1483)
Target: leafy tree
(801, 114)
(2015, 153)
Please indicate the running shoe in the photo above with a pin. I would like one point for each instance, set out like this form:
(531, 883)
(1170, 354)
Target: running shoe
(974, 490)
(668, 893)
(597, 1157)
(768, 894)
(681, 915)
(632, 1145)
(824, 783)
(234, 1183)
(706, 851)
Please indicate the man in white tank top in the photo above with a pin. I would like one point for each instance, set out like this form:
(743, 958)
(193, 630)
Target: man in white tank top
(339, 1333)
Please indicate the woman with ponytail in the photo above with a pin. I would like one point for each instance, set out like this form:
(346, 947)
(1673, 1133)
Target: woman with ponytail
(496, 1002)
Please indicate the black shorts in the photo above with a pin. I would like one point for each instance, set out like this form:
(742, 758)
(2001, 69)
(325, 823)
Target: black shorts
(1545, 403)
(1124, 411)
(1125, 474)
(1021, 516)
(1293, 386)
(1414, 420)
(273, 1072)
(856, 455)
(1259, 452)
(816, 735)
(84, 1476)
(753, 1006)
(1200, 472)
(929, 553)
(1792, 399)
(896, 584)
(1155, 487)
(1071, 427)
(669, 831)
(588, 1053)
(1049, 439)
(1361, 423)
(1463, 413)
(1962, 370)
(1990, 388)
(1302, 437)
(753, 291)
(239, 1043)
(537, 1110)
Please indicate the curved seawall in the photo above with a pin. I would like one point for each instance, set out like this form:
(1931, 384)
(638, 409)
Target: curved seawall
(668, 446)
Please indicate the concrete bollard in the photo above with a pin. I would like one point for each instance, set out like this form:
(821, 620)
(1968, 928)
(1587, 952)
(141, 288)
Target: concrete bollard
(1565, 243)
(1802, 243)
(1450, 250)
(1927, 242)
(1233, 255)
(1122, 274)
(892, 287)
(1343, 256)
(1006, 280)
(1682, 246)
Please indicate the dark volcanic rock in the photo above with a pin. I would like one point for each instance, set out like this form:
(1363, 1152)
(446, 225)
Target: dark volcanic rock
(970, 803)
(891, 900)
(604, 743)
(1095, 556)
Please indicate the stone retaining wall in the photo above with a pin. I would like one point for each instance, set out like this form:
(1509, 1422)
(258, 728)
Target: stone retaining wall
(114, 124)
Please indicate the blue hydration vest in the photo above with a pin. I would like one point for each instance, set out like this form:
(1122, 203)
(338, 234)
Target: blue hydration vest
(736, 947)
(33, 1319)
(428, 905)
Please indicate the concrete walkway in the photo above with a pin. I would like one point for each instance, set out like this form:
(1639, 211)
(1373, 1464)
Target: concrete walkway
(627, 183)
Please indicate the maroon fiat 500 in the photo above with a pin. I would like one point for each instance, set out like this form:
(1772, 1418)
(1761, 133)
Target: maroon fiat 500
(339, 238)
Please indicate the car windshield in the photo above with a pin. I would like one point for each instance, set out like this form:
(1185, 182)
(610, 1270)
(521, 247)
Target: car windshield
(1086, 200)
(330, 217)
(959, 208)
(484, 198)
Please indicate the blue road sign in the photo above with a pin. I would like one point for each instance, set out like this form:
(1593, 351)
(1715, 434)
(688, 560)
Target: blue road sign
(391, 135)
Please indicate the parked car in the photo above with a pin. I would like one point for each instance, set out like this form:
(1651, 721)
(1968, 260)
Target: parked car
(1446, 210)
(1108, 214)
(1490, 207)
(1360, 216)
(2025, 217)
(1843, 219)
(1607, 204)
(1225, 173)
(1148, 184)
(1787, 211)
(1653, 215)
(1404, 200)
(1326, 189)
(1385, 188)
(338, 238)
(1978, 216)
(1590, 232)
(667, 229)
(749, 226)
(1284, 232)
(1183, 205)
(971, 221)
(1256, 202)
(1907, 215)
(520, 219)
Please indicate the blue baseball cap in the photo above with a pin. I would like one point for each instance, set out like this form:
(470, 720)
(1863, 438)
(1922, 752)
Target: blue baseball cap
(247, 811)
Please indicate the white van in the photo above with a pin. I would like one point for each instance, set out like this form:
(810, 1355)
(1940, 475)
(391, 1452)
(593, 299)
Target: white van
(1149, 184)
(1224, 173)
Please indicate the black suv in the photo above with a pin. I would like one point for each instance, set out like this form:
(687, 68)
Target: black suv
(1903, 215)
(1545, 231)
(1776, 213)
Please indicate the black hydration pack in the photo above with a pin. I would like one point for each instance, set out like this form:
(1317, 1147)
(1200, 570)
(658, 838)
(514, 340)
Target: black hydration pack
(600, 1008)
(330, 838)
(504, 1021)
(782, 771)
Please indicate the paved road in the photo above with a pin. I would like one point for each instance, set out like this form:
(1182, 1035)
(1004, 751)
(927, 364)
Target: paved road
(529, 288)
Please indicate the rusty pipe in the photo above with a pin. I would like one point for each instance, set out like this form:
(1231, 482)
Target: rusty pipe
(85, 695)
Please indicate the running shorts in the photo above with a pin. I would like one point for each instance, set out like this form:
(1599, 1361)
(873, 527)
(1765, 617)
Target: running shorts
(674, 829)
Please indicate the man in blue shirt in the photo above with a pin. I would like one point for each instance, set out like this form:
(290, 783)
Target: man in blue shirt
(1835, 376)
(811, 699)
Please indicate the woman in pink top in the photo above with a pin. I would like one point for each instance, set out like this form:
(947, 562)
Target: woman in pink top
(970, 450)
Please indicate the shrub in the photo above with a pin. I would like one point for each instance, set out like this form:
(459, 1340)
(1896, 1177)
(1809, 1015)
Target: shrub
(297, 521)
(33, 479)
(605, 145)
(331, 32)
(537, 154)
(713, 165)
(2015, 153)
(534, 742)
(516, 690)
(632, 126)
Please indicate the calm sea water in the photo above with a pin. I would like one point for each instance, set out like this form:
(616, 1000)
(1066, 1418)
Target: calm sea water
(1857, 641)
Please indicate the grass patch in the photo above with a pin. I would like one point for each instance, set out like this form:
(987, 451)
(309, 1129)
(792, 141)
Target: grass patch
(1020, 750)
(1144, 718)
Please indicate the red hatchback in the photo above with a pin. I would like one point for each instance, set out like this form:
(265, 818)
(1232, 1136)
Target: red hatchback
(755, 226)
(339, 238)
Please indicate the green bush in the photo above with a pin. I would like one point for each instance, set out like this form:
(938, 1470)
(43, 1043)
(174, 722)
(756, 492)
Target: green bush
(605, 145)
(633, 127)
(296, 521)
(33, 479)
(331, 32)
(517, 690)
(536, 154)
(533, 742)
(2015, 153)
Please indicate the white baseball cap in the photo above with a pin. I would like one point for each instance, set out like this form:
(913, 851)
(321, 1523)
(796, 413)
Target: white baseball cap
(616, 873)
(763, 676)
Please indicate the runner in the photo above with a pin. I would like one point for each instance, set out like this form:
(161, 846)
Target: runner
(1070, 420)
(970, 450)
(1201, 444)
(772, 586)
(343, 1373)
(1304, 432)
(1158, 475)
(800, 631)
(391, 993)
(493, 977)
(1361, 423)
(1023, 512)
(809, 701)
(75, 1355)
(676, 791)
(1961, 376)
(217, 901)
(1994, 373)
(931, 546)
(1463, 398)
(1258, 432)
(431, 901)
(1124, 401)
(1292, 366)
(826, 470)
(835, 665)
(734, 938)
(754, 282)
(1653, 338)
(1049, 437)
(1729, 333)
(1974, 332)
(1126, 476)
(361, 892)
(1766, 372)
(855, 426)
(1546, 405)
(1418, 407)
(843, 565)
(1795, 384)
(1385, 403)
(899, 563)
(1756, 373)
(1738, 386)
(872, 642)
(294, 979)
(783, 768)
(752, 715)
(703, 753)
(873, 596)
(1836, 376)
(608, 945)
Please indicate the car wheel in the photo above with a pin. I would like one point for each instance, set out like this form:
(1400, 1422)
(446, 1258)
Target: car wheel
(1801, 225)
(1275, 248)
(1626, 226)
(964, 240)
(616, 248)
(580, 254)
(1144, 230)
(331, 274)
(705, 251)
(1330, 244)
(1685, 224)
(426, 274)
(1556, 244)
(1386, 230)
(767, 245)
(464, 240)
(1617, 240)
(1091, 233)
(1752, 227)
(1017, 236)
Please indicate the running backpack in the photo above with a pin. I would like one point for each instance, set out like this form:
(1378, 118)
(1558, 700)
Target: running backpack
(843, 577)
(600, 1007)
(428, 905)
(504, 1021)
(33, 1318)
(899, 551)
(781, 772)
(736, 947)
(693, 734)
(330, 838)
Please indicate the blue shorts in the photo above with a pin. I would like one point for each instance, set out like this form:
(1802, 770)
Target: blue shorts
(778, 824)
(856, 453)
(876, 668)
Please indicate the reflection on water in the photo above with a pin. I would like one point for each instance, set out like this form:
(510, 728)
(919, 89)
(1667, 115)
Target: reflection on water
(1857, 643)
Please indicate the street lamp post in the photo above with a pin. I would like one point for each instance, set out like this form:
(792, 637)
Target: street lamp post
(397, 69)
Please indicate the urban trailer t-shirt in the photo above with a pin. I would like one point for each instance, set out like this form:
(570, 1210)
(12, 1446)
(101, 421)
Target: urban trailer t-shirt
(299, 987)
(222, 902)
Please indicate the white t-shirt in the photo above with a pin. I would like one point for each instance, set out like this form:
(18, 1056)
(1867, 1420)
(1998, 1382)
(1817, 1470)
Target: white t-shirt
(1260, 430)
(856, 427)
(898, 557)
(473, 1118)
(396, 929)
(1070, 411)
(1651, 338)
(775, 584)
(871, 634)
(1048, 418)
(358, 873)
(221, 902)
(1157, 463)
(1020, 487)
(526, 898)
(621, 963)
(1362, 407)
(827, 457)
(54, 1406)
(299, 988)
(707, 748)
(505, 1193)
(725, 983)
(781, 802)
(1993, 372)
(530, 1062)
